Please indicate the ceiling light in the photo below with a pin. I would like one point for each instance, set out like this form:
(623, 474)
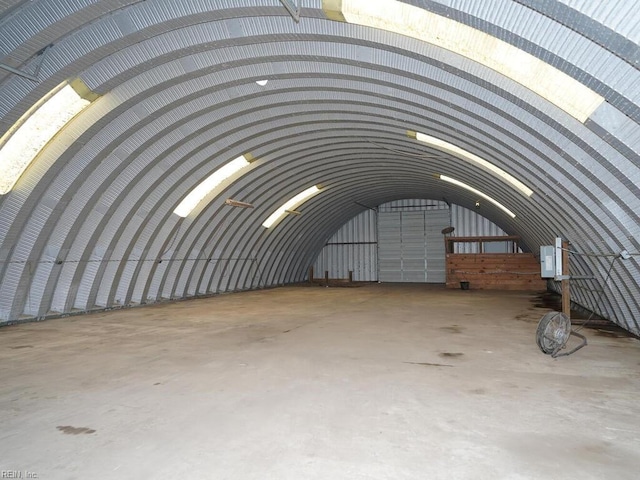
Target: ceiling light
(290, 206)
(209, 184)
(262, 83)
(237, 203)
(479, 193)
(547, 81)
(22, 143)
(470, 157)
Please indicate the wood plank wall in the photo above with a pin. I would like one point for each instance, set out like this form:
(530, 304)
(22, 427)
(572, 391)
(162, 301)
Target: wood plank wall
(495, 271)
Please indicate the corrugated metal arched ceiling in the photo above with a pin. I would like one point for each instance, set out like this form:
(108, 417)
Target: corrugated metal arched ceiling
(90, 223)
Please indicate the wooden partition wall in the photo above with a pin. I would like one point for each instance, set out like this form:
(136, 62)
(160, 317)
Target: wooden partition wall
(492, 271)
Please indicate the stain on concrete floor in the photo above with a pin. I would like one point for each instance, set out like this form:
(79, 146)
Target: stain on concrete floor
(69, 430)
(427, 364)
(451, 354)
(452, 329)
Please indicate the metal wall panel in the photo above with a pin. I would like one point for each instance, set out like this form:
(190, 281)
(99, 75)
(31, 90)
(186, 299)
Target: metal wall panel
(354, 247)
(411, 204)
(469, 223)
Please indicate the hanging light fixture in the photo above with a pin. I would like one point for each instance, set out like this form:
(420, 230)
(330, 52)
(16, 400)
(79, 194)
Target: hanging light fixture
(290, 206)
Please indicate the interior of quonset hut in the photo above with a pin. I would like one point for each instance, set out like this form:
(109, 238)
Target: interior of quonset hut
(160, 150)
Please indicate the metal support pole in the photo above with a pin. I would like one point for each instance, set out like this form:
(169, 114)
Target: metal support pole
(34, 77)
(18, 72)
(292, 8)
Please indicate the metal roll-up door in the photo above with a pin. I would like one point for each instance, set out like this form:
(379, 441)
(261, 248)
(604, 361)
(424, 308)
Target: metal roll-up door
(411, 247)
(414, 258)
(389, 247)
(435, 222)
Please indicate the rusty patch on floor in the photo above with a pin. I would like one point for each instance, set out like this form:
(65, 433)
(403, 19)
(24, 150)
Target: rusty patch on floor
(69, 430)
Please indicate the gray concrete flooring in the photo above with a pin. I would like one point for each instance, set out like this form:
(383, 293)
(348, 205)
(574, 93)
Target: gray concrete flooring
(377, 382)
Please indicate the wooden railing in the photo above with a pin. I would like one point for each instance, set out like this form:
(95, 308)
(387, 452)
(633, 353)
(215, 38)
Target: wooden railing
(512, 241)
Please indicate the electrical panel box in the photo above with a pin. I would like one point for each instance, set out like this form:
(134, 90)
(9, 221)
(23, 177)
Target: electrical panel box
(547, 261)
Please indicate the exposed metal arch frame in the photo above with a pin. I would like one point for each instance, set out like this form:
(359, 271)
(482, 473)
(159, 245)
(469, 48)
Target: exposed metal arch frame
(180, 99)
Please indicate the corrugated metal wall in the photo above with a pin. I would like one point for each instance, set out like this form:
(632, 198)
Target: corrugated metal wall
(468, 223)
(91, 223)
(354, 246)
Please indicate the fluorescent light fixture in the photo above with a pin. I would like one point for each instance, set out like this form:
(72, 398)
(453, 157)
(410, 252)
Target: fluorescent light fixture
(21, 144)
(237, 203)
(470, 157)
(262, 83)
(547, 81)
(479, 193)
(291, 205)
(196, 195)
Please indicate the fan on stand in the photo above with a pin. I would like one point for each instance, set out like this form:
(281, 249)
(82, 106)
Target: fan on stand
(552, 335)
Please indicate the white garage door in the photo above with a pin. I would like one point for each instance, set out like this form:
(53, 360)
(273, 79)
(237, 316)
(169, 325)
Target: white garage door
(411, 247)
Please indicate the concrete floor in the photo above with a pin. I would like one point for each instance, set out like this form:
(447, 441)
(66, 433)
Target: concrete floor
(377, 382)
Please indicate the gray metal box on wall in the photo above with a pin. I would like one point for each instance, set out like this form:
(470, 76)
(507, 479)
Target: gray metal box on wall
(547, 261)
